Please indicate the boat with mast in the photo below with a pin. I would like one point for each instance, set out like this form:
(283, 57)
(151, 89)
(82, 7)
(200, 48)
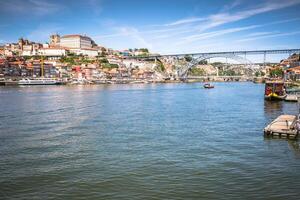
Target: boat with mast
(39, 81)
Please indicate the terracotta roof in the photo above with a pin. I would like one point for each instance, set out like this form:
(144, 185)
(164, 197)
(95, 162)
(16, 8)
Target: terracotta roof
(294, 69)
(16, 62)
(113, 71)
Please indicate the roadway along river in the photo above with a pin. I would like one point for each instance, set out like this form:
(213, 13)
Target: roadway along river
(163, 141)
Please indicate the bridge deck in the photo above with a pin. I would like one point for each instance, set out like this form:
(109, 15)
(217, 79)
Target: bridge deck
(251, 52)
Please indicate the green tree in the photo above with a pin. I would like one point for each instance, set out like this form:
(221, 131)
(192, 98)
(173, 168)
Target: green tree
(217, 63)
(68, 59)
(275, 73)
(114, 66)
(71, 54)
(103, 60)
(109, 66)
(188, 58)
(196, 72)
(159, 66)
(203, 62)
(27, 57)
(145, 50)
(230, 72)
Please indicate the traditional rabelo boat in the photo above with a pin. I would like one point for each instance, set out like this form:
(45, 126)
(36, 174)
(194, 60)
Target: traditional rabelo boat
(275, 90)
(208, 86)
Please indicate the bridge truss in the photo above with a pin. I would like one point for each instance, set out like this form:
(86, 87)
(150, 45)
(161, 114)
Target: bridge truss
(239, 56)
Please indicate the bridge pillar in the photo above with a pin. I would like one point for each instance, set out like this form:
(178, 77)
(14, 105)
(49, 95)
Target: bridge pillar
(265, 55)
(245, 59)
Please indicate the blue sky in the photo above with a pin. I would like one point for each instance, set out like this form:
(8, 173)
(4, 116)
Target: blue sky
(163, 26)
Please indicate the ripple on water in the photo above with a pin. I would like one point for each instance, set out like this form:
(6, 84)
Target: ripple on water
(168, 141)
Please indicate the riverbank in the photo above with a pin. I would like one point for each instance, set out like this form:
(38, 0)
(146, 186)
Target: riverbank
(15, 82)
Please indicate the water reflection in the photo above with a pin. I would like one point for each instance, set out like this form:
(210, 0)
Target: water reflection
(273, 108)
(295, 147)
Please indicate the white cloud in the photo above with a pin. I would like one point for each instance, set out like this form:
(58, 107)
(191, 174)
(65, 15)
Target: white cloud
(203, 36)
(125, 34)
(136, 35)
(121, 33)
(186, 21)
(187, 33)
(42, 7)
(197, 26)
(226, 17)
(264, 36)
(30, 7)
(43, 31)
(261, 33)
(234, 4)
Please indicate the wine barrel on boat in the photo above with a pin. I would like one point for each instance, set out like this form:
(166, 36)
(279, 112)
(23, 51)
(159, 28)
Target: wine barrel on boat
(275, 90)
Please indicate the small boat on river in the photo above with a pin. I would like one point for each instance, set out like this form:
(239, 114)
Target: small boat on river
(208, 86)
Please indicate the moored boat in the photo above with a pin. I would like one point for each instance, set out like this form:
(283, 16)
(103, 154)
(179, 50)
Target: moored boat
(38, 81)
(275, 90)
(291, 97)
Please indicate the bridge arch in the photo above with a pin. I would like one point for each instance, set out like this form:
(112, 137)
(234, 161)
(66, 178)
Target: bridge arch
(182, 72)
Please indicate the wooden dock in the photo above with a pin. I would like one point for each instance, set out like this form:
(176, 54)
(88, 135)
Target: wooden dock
(284, 126)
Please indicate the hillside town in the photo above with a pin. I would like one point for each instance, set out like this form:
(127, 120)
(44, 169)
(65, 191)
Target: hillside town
(77, 59)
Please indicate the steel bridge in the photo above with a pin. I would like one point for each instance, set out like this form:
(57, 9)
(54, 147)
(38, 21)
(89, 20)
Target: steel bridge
(239, 56)
(251, 52)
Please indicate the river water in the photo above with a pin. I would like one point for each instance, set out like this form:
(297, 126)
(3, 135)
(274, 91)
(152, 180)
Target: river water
(151, 141)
